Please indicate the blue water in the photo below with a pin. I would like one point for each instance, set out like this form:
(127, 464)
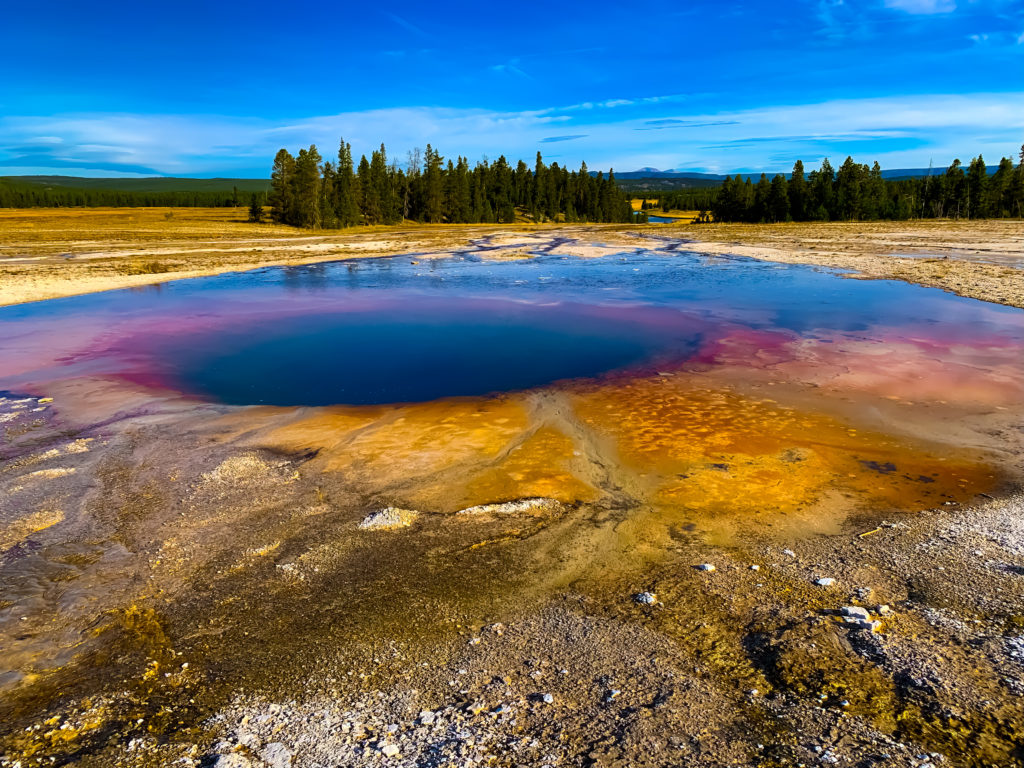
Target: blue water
(389, 330)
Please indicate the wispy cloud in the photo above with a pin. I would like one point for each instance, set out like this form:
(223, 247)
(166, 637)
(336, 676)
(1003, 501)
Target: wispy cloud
(512, 67)
(899, 131)
(613, 103)
(922, 6)
(665, 124)
(407, 25)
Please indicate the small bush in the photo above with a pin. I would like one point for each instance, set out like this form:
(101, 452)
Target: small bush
(147, 268)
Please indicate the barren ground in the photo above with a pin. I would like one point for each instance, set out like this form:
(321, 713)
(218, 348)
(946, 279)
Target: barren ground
(190, 584)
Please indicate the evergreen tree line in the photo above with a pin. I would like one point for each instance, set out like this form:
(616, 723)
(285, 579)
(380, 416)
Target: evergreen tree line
(856, 192)
(15, 194)
(308, 192)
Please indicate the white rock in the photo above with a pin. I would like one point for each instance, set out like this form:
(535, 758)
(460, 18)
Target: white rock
(705, 567)
(755, 567)
(276, 755)
(547, 698)
(645, 598)
(390, 750)
(825, 581)
(789, 553)
(517, 507)
(855, 612)
(234, 760)
(389, 518)
(247, 739)
(427, 717)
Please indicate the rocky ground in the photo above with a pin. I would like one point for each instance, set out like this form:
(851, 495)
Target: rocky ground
(464, 584)
(727, 666)
(195, 600)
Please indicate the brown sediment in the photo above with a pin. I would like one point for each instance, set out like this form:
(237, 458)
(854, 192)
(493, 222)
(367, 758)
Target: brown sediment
(241, 550)
(722, 460)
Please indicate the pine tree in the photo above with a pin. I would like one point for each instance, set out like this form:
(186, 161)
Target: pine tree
(326, 200)
(346, 198)
(539, 204)
(306, 188)
(848, 190)
(433, 181)
(255, 208)
(999, 187)
(759, 211)
(823, 191)
(382, 182)
(464, 196)
(874, 193)
(369, 199)
(956, 188)
(798, 192)
(281, 197)
(1017, 189)
(778, 199)
(977, 188)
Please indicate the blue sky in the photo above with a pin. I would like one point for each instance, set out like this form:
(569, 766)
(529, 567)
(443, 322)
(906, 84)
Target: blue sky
(214, 89)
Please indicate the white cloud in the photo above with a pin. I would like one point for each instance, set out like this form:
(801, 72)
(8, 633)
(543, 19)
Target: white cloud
(922, 6)
(898, 131)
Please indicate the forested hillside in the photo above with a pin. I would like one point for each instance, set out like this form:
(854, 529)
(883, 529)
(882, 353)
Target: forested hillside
(307, 192)
(69, 191)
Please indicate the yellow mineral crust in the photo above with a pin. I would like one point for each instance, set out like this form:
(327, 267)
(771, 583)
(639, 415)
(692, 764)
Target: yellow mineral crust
(716, 452)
